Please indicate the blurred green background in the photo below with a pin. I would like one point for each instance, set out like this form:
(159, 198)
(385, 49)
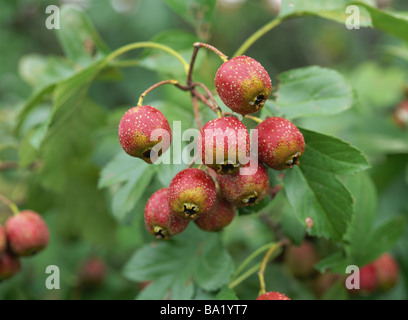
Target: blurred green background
(80, 214)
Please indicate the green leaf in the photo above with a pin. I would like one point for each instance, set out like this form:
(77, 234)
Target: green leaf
(68, 143)
(390, 22)
(313, 189)
(375, 136)
(193, 258)
(406, 174)
(328, 9)
(79, 39)
(33, 101)
(336, 292)
(377, 86)
(364, 241)
(335, 262)
(320, 196)
(126, 197)
(129, 178)
(226, 293)
(311, 91)
(199, 13)
(81, 209)
(331, 154)
(292, 227)
(384, 237)
(363, 190)
(39, 71)
(394, 23)
(120, 169)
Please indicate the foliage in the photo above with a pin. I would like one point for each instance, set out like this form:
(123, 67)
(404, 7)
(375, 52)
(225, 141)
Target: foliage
(59, 117)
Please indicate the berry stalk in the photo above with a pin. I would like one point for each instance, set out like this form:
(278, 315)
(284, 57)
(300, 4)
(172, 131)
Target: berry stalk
(265, 260)
(10, 204)
(148, 44)
(156, 85)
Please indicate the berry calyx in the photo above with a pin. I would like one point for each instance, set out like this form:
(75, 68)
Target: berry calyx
(280, 143)
(243, 84)
(9, 265)
(245, 190)
(272, 295)
(224, 142)
(27, 233)
(191, 194)
(159, 220)
(135, 133)
(218, 218)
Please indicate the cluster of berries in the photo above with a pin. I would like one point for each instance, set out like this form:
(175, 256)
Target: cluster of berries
(379, 275)
(210, 198)
(23, 235)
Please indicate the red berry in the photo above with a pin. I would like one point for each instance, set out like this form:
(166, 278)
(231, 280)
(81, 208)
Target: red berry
(224, 142)
(159, 220)
(368, 279)
(400, 114)
(191, 194)
(27, 233)
(245, 190)
(9, 265)
(243, 84)
(280, 143)
(272, 296)
(300, 260)
(3, 240)
(387, 271)
(135, 132)
(218, 218)
(92, 272)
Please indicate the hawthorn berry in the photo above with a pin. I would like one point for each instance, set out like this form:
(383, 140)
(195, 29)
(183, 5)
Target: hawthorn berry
(224, 141)
(300, 260)
(280, 143)
(272, 295)
(135, 132)
(27, 233)
(9, 265)
(159, 220)
(92, 272)
(400, 114)
(245, 190)
(3, 240)
(243, 84)
(191, 194)
(368, 279)
(218, 218)
(387, 270)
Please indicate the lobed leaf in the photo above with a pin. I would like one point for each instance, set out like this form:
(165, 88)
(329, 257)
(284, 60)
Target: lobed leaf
(176, 267)
(311, 91)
